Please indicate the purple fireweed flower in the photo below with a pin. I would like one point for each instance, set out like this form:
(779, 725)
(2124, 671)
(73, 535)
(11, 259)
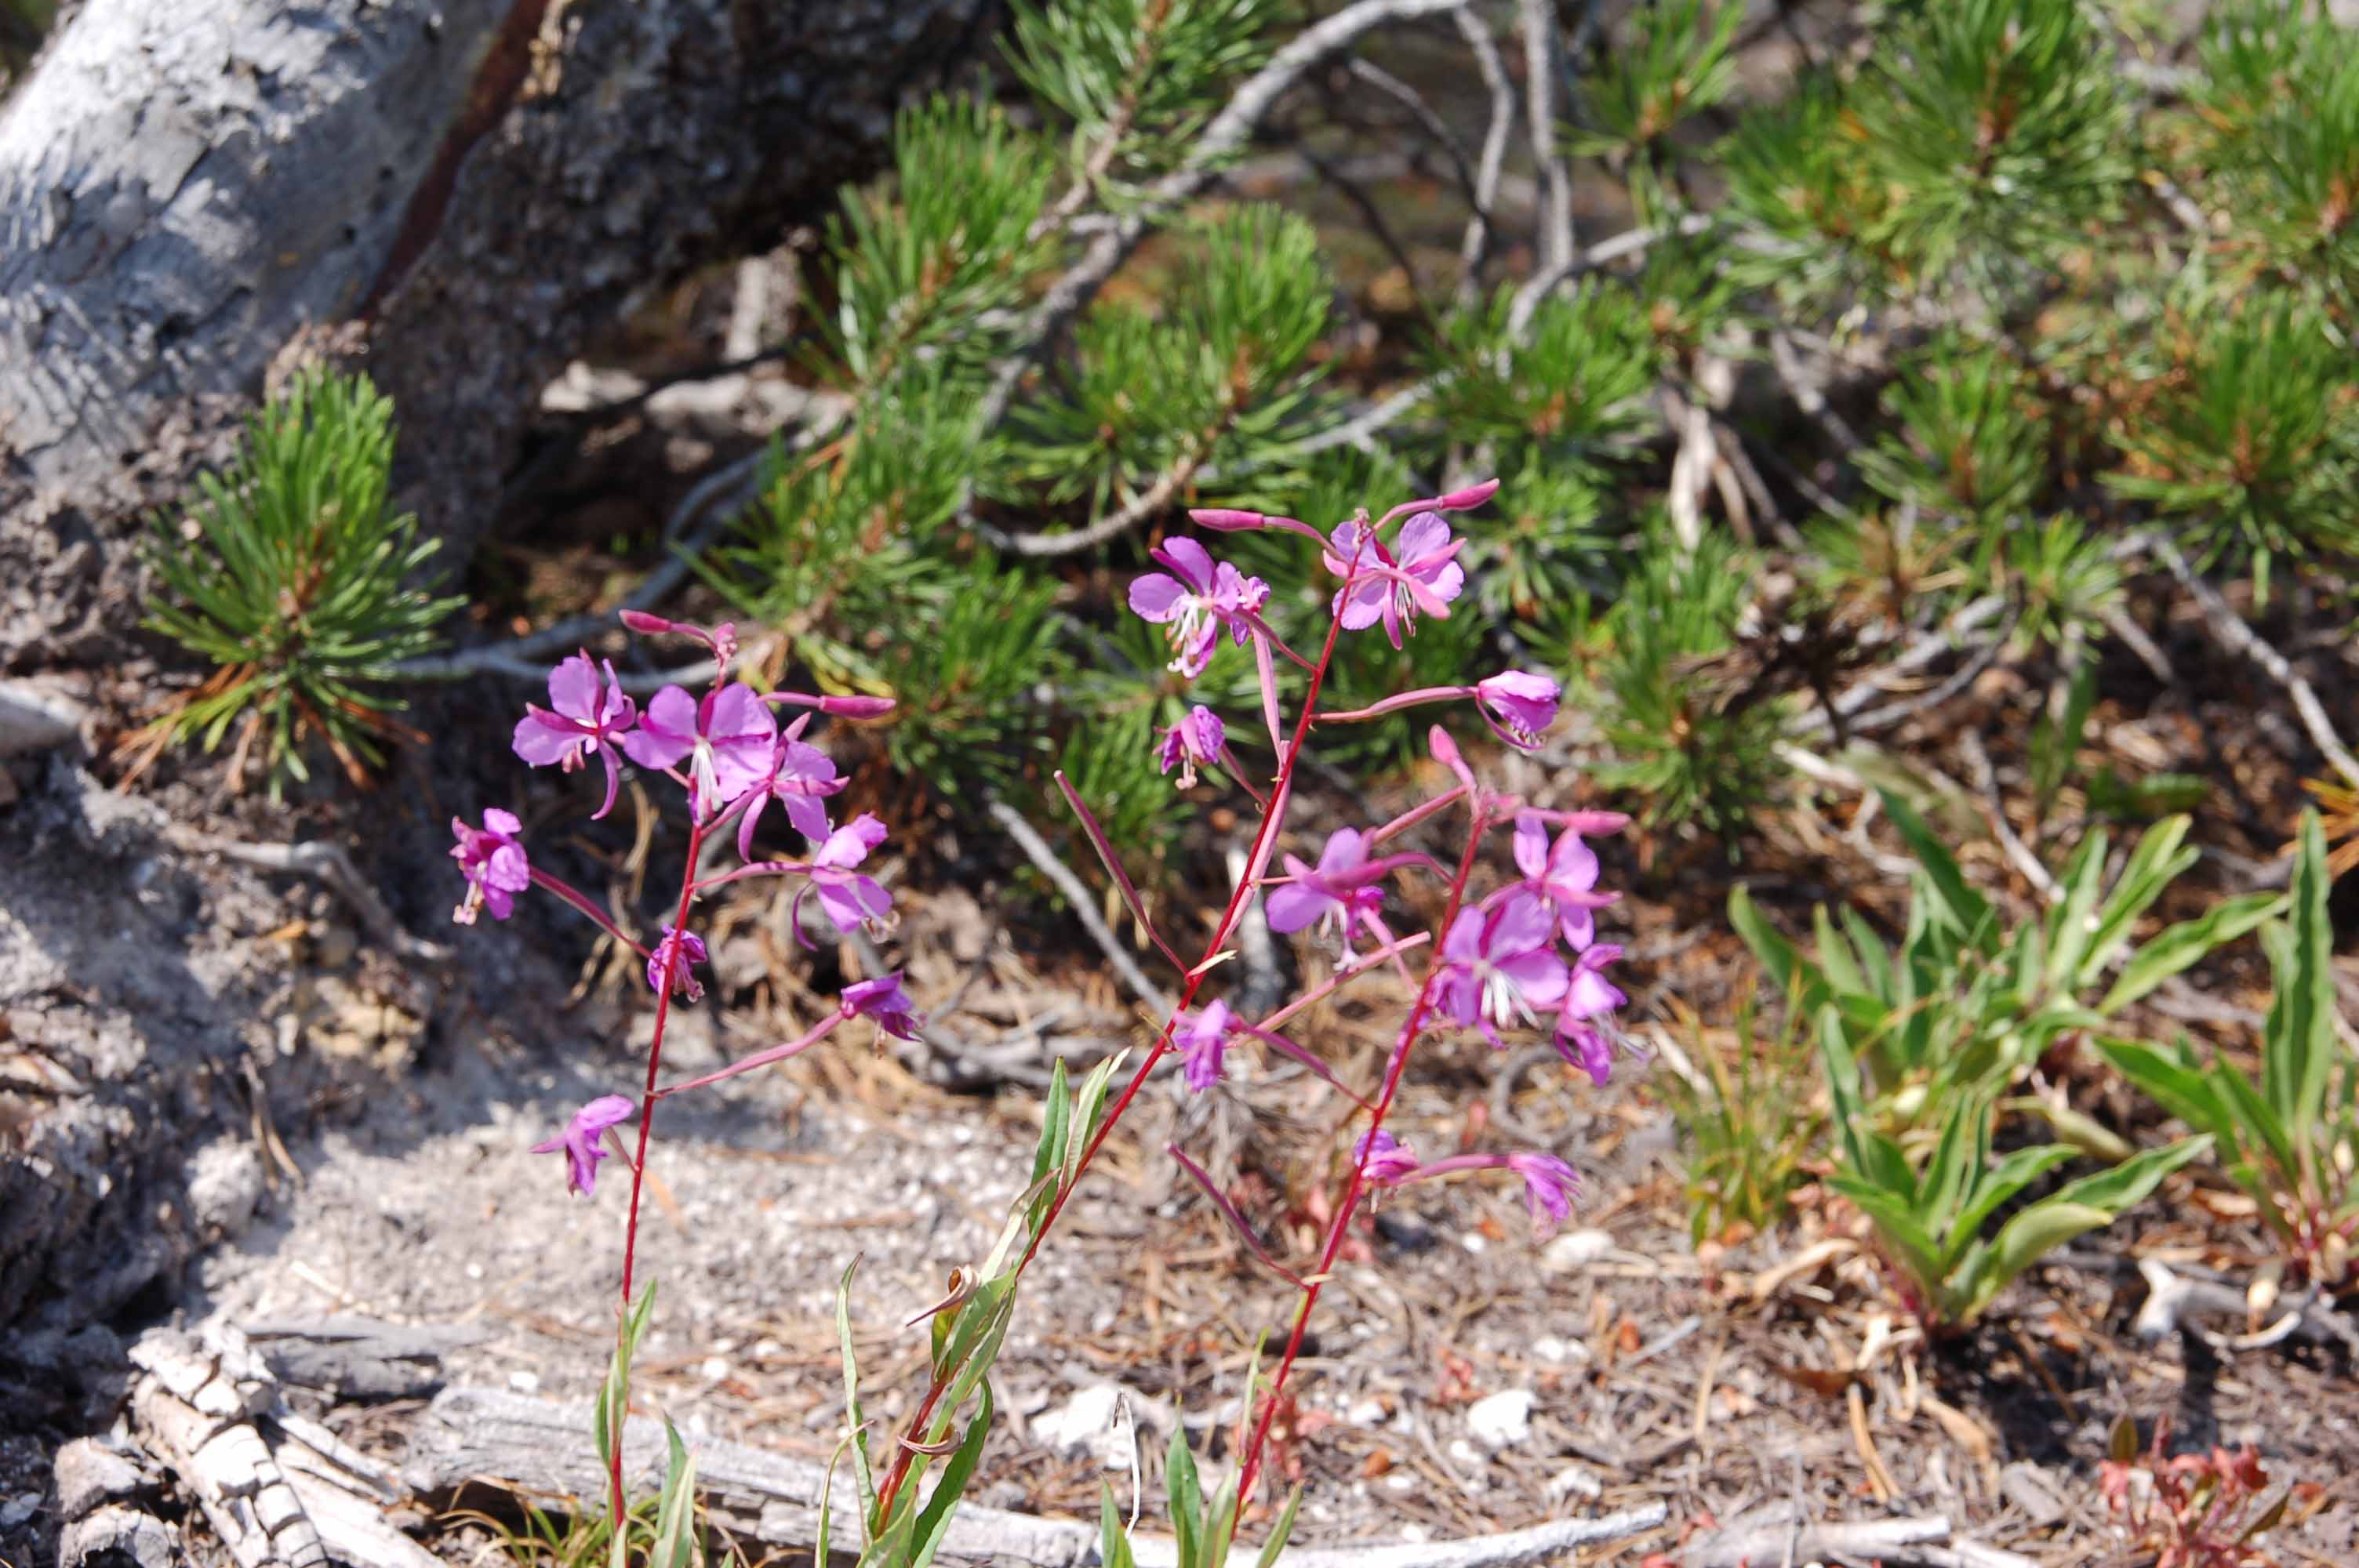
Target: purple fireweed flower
(1517, 705)
(1416, 576)
(850, 898)
(1502, 966)
(799, 776)
(727, 739)
(583, 1140)
(883, 1000)
(1563, 877)
(1588, 993)
(1335, 895)
(582, 718)
(1389, 1161)
(1195, 740)
(1202, 1036)
(1195, 601)
(1586, 1035)
(1548, 1186)
(493, 862)
(689, 948)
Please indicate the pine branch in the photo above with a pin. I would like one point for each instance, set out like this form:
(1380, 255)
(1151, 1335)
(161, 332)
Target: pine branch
(2229, 631)
(1227, 132)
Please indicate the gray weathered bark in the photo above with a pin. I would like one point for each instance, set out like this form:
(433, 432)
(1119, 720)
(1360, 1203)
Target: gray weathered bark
(474, 186)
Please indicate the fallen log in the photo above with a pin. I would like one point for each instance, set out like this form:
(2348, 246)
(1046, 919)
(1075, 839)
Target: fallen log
(475, 1435)
(466, 189)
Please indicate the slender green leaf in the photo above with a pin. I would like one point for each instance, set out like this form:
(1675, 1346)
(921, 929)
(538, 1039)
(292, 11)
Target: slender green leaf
(1965, 910)
(1279, 1530)
(858, 1435)
(2298, 1042)
(934, 1518)
(2177, 948)
(1186, 1498)
(675, 1542)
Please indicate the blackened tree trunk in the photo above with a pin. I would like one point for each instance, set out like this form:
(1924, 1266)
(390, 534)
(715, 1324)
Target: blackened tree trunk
(464, 189)
(458, 192)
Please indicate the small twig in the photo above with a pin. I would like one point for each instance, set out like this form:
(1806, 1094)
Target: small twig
(1543, 72)
(329, 865)
(2019, 854)
(2229, 631)
(717, 498)
(1146, 504)
(1797, 1541)
(1084, 902)
(2134, 637)
(1605, 253)
(1434, 126)
(2170, 1295)
(1892, 713)
(1476, 248)
(1808, 395)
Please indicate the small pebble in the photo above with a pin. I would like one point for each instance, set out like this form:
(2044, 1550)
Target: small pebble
(1504, 1419)
(525, 1382)
(1575, 1249)
(1572, 1481)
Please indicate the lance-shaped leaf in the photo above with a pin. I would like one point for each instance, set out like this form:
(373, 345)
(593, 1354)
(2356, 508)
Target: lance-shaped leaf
(1113, 862)
(1236, 1221)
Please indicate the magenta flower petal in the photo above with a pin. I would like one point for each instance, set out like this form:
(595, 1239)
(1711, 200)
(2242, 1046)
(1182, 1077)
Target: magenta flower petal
(1155, 597)
(1195, 742)
(1548, 1186)
(541, 744)
(1421, 535)
(1189, 559)
(883, 1000)
(493, 862)
(1387, 1161)
(667, 733)
(1531, 844)
(808, 817)
(849, 844)
(583, 1141)
(1202, 1037)
(682, 950)
(1291, 906)
(1521, 923)
(573, 688)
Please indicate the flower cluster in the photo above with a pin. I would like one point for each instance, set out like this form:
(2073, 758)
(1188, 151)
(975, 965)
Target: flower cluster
(1526, 955)
(732, 760)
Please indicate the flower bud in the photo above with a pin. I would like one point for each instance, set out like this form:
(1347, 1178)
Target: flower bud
(1466, 500)
(1225, 519)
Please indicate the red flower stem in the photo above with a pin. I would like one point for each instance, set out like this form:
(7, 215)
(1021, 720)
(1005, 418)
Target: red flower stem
(1264, 837)
(1318, 1278)
(672, 959)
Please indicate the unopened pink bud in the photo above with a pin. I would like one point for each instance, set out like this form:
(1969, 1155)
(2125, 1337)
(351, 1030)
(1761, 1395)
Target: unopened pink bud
(856, 707)
(1595, 823)
(640, 621)
(1466, 500)
(1445, 751)
(1227, 520)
